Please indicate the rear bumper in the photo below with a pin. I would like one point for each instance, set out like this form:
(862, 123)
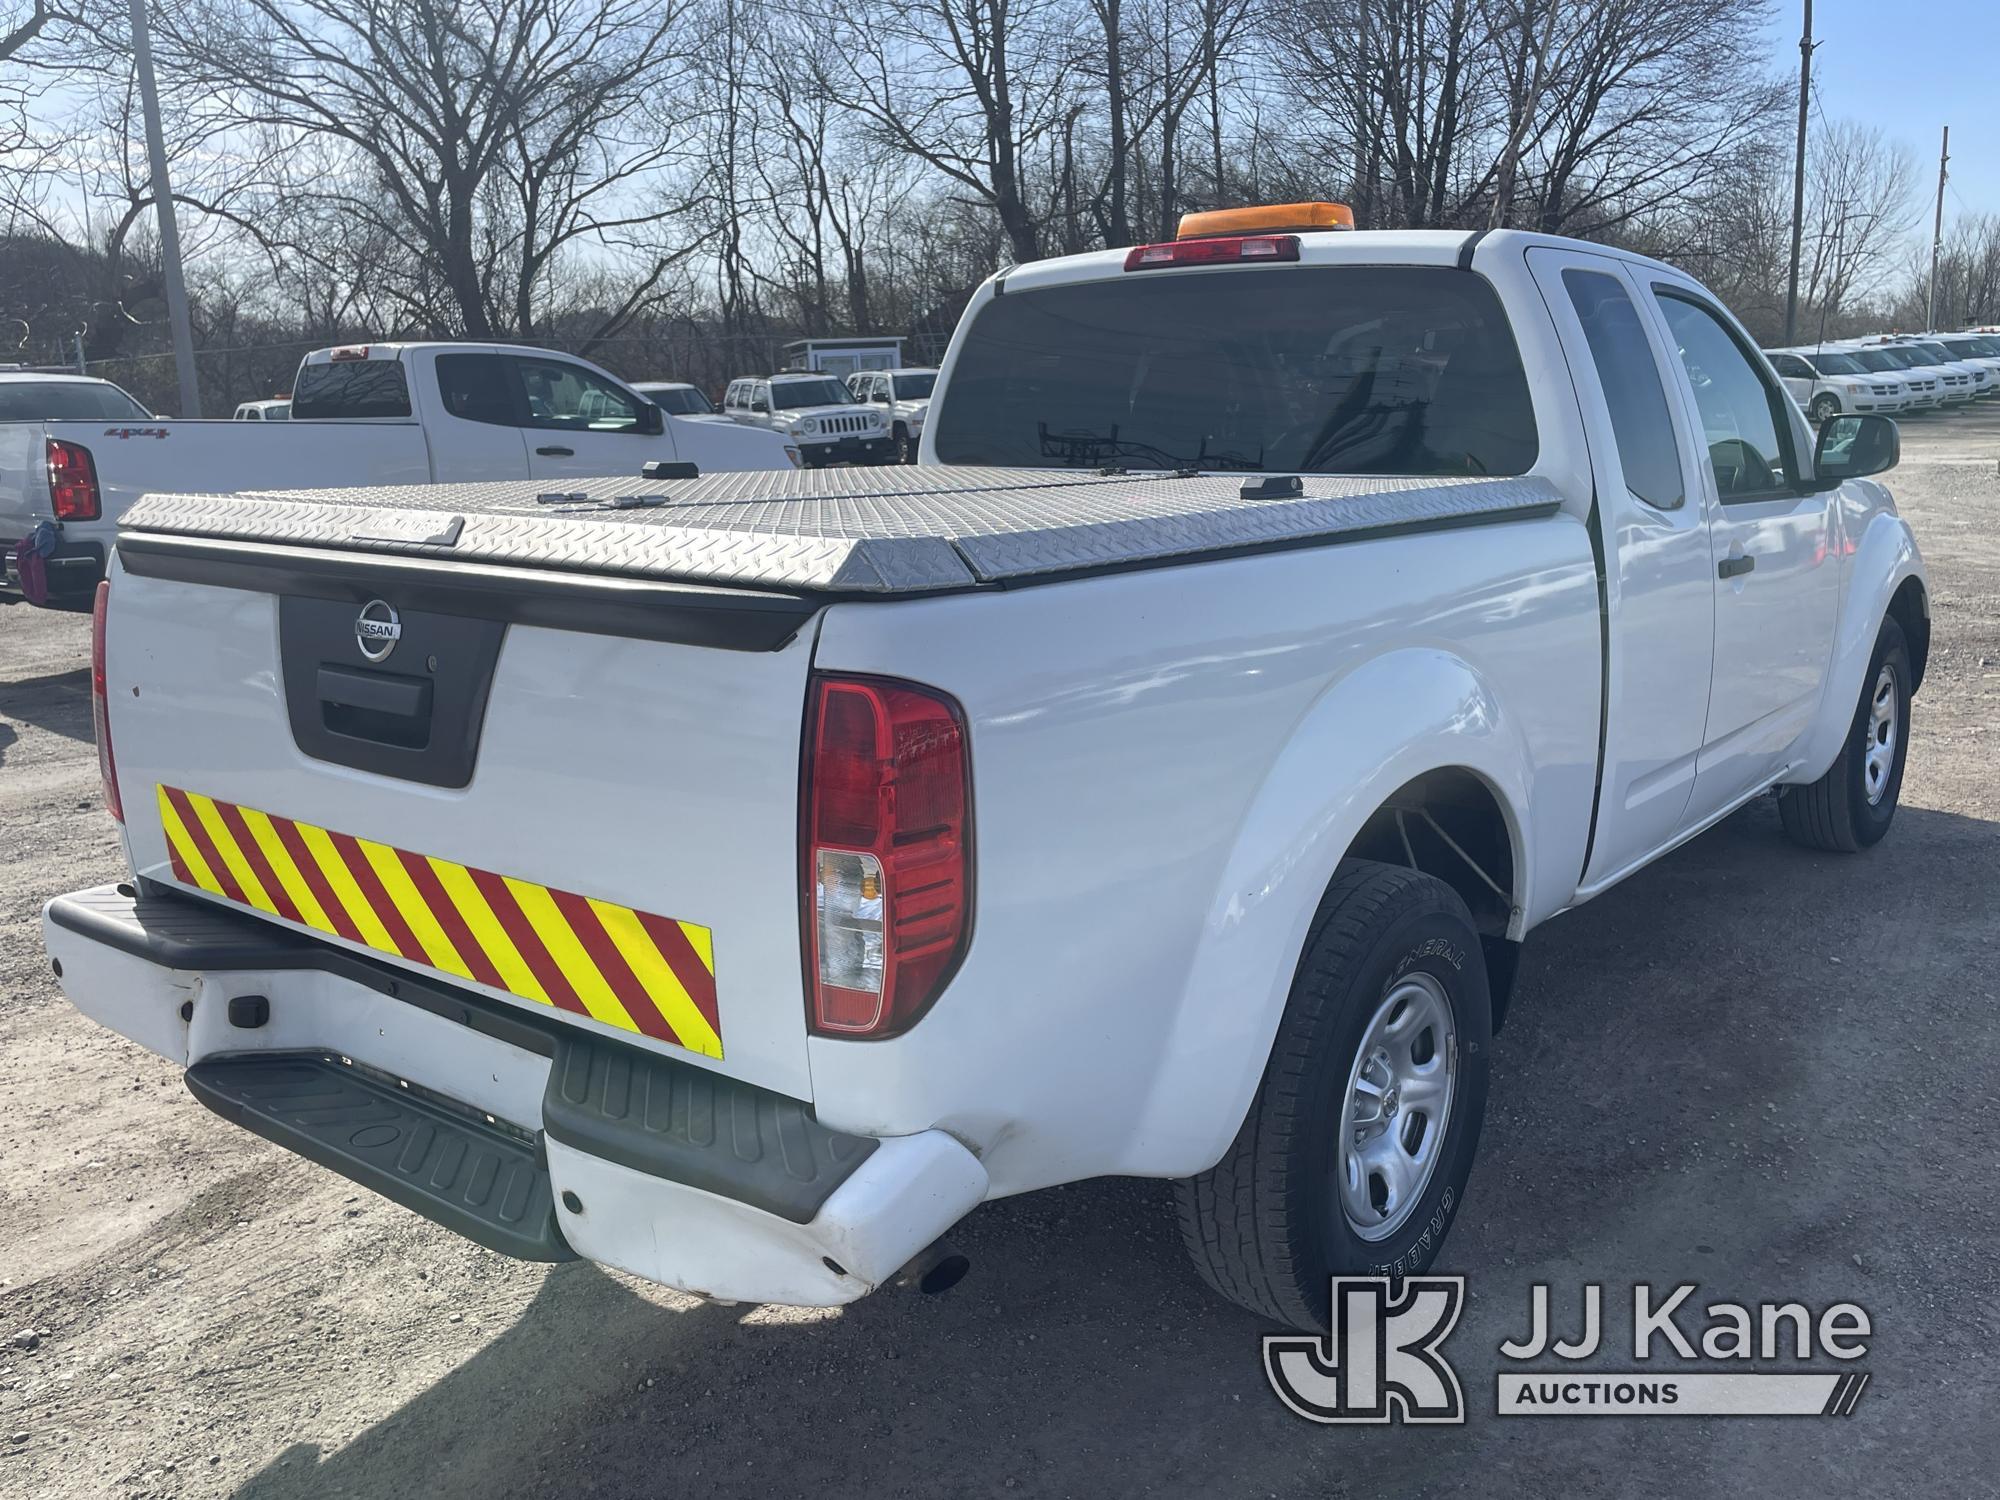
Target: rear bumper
(74, 571)
(527, 1136)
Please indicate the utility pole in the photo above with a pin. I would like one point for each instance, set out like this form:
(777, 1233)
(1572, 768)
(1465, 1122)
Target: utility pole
(1798, 176)
(1937, 232)
(163, 203)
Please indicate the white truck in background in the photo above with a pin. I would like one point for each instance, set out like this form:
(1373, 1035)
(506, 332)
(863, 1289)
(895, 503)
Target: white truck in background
(394, 413)
(1160, 780)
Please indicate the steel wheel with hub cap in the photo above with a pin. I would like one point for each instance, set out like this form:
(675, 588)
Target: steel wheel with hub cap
(1398, 1106)
(1354, 1155)
(1852, 805)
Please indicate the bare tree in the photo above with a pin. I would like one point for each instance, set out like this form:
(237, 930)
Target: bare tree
(1859, 208)
(483, 138)
(967, 87)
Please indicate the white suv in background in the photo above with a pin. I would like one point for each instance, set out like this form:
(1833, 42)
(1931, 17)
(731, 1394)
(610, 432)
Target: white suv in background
(817, 413)
(1925, 388)
(1977, 349)
(904, 398)
(1977, 372)
(1955, 382)
(679, 399)
(1827, 383)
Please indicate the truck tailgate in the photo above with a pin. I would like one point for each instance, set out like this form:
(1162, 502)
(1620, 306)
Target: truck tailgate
(23, 478)
(597, 824)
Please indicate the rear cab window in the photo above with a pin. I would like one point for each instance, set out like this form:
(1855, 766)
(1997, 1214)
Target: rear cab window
(66, 401)
(351, 388)
(1315, 369)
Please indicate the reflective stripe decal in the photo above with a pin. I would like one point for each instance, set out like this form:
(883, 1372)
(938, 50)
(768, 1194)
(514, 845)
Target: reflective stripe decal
(630, 969)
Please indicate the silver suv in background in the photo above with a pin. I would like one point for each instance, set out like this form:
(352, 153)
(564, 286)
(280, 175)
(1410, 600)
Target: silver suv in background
(817, 413)
(904, 399)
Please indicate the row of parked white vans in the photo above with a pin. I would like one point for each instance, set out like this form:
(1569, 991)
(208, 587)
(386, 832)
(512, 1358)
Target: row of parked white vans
(1890, 373)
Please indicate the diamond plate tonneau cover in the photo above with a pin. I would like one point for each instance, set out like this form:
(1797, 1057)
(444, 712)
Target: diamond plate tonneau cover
(858, 531)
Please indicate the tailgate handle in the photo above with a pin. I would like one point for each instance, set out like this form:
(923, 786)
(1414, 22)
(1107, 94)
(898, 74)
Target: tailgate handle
(373, 706)
(556, 452)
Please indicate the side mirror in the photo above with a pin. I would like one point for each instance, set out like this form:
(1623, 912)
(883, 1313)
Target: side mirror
(1854, 446)
(651, 421)
(763, 406)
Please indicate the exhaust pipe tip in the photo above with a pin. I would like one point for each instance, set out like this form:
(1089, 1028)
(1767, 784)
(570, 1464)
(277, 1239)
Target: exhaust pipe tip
(935, 1270)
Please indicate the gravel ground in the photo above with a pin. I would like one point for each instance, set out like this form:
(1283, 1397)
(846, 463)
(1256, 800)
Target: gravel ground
(1768, 1072)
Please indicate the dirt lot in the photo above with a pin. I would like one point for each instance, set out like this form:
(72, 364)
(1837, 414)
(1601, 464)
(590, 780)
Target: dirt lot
(1773, 1073)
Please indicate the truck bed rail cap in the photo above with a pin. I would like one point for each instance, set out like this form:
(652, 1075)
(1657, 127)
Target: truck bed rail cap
(862, 531)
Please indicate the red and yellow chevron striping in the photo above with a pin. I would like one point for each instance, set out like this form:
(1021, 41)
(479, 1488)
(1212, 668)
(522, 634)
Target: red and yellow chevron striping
(624, 967)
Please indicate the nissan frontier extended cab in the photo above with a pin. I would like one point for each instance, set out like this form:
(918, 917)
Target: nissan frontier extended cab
(737, 880)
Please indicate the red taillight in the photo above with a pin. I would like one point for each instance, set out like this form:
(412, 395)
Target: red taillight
(73, 482)
(1223, 250)
(100, 702)
(888, 853)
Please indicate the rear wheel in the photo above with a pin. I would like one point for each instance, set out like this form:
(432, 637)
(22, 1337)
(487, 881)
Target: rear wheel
(1823, 406)
(1852, 805)
(1355, 1152)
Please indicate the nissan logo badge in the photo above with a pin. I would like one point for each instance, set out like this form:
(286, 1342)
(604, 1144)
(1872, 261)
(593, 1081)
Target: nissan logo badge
(377, 630)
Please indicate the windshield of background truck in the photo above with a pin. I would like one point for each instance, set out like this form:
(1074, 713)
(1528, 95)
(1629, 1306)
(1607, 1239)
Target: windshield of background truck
(683, 402)
(1309, 369)
(66, 401)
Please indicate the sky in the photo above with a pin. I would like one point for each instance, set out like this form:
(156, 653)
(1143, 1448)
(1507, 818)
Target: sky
(1911, 67)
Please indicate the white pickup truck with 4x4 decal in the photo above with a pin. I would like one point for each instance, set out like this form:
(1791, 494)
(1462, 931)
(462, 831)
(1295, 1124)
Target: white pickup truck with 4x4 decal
(738, 880)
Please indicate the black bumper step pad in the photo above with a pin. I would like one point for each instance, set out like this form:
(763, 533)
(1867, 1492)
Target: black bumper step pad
(482, 1180)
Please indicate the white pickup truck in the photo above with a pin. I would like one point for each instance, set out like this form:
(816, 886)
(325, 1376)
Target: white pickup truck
(360, 414)
(738, 880)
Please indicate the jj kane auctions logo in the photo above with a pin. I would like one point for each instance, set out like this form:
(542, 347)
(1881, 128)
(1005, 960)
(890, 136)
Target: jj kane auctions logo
(1384, 1359)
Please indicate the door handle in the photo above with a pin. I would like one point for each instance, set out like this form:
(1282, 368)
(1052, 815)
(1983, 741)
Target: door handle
(1733, 567)
(557, 452)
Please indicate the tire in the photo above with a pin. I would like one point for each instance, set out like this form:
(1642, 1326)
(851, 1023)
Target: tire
(1269, 1224)
(906, 451)
(1850, 808)
(1823, 406)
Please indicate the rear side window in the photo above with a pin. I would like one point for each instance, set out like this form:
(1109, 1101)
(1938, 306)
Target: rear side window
(1314, 369)
(477, 388)
(351, 388)
(66, 401)
(1637, 400)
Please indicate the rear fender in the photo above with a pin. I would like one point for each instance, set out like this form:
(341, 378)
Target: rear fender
(1395, 718)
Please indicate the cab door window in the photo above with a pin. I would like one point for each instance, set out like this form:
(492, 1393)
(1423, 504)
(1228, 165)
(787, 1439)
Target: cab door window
(570, 398)
(1742, 415)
